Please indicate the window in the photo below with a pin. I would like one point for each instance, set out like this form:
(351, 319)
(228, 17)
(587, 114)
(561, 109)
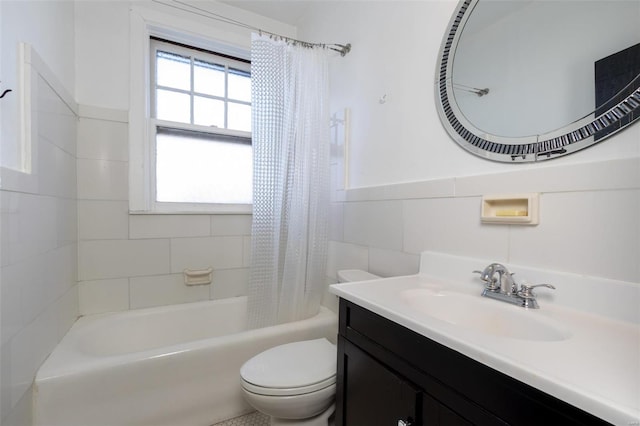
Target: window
(200, 131)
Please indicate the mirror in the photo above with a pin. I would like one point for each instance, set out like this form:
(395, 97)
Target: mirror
(531, 80)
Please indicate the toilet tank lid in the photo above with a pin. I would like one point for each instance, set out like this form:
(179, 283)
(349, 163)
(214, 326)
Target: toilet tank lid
(351, 275)
(292, 365)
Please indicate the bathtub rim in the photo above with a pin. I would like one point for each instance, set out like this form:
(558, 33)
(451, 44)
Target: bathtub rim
(64, 360)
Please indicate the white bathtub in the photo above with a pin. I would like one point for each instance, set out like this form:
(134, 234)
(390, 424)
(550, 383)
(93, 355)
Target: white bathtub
(175, 365)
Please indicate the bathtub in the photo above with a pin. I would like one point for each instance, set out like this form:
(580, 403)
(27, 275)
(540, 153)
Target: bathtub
(175, 365)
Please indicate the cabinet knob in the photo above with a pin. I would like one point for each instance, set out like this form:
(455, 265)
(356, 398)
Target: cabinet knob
(407, 422)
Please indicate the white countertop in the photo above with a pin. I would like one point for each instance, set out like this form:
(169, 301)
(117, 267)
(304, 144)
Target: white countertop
(596, 368)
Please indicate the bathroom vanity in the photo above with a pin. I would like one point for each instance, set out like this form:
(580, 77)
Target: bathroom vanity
(426, 350)
(388, 374)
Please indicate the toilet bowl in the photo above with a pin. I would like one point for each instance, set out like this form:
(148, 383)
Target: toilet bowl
(295, 383)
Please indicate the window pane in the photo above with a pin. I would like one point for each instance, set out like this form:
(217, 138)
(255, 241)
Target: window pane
(239, 85)
(239, 117)
(208, 78)
(196, 168)
(173, 70)
(208, 112)
(173, 106)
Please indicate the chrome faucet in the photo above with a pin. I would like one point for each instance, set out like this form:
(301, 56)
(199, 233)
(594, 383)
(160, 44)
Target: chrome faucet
(504, 283)
(505, 289)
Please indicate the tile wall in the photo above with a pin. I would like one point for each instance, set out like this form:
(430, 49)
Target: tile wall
(136, 261)
(39, 245)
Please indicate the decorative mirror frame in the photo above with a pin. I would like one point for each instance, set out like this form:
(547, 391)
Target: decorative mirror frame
(620, 111)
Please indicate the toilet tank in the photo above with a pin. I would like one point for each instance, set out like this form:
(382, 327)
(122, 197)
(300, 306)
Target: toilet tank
(351, 275)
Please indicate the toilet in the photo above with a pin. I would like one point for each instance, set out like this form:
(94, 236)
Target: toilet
(295, 383)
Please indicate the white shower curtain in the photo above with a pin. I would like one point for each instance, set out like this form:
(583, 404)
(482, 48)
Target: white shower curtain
(290, 133)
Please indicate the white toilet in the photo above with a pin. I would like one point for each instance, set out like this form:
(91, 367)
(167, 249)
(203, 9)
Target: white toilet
(295, 383)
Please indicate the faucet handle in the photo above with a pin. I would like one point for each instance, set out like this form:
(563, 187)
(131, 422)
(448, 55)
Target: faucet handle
(526, 290)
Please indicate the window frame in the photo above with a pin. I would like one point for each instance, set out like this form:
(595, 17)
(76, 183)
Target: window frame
(146, 24)
(228, 62)
(155, 123)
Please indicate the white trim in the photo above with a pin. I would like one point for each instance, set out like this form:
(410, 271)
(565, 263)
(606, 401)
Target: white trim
(28, 86)
(198, 128)
(138, 113)
(144, 23)
(607, 175)
(198, 208)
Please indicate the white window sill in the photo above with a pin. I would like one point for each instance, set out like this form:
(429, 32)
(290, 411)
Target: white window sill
(208, 209)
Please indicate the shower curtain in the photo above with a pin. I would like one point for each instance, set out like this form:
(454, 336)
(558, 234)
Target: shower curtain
(290, 132)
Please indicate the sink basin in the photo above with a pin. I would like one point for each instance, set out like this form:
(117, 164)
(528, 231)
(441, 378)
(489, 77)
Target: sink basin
(483, 315)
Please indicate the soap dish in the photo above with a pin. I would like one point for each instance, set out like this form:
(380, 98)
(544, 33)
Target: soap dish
(513, 209)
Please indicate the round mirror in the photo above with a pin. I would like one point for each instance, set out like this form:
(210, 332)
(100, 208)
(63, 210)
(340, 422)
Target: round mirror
(531, 80)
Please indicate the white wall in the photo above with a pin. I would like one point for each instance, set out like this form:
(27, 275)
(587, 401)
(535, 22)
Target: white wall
(414, 189)
(37, 209)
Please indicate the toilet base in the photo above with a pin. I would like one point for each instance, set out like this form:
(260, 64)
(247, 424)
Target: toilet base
(321, 419)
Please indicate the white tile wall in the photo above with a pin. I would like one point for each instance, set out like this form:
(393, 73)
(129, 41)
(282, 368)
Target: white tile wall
(336, 221)
(593, 233)
(167, 226)
(452, 225)
(56, 122)
(100, 259)
(374, 223)
(163, 290)
(103, 296)
(346, 256)
(391, 263)
(66, 221)
(56, 174)
(205, 252)
(246, 251)
(231, 225)
(38, 279)
(103, 220)
(229, 283)
(31, 221)
(103, 139)
(103, 180)
(131, 261)
(589, 221)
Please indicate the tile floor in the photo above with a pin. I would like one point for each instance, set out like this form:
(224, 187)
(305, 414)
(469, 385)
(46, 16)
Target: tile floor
(252, 419)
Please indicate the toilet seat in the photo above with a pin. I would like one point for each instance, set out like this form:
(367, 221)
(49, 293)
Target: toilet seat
(260, 390)
(291, 369)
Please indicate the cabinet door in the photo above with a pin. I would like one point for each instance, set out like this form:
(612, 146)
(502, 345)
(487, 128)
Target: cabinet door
(436, 414)
(374, 395)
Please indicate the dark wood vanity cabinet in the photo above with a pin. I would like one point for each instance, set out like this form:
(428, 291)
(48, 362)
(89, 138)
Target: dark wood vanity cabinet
(390, 375)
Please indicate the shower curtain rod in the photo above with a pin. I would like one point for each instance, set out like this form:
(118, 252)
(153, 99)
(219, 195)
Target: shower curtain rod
(343, 49)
